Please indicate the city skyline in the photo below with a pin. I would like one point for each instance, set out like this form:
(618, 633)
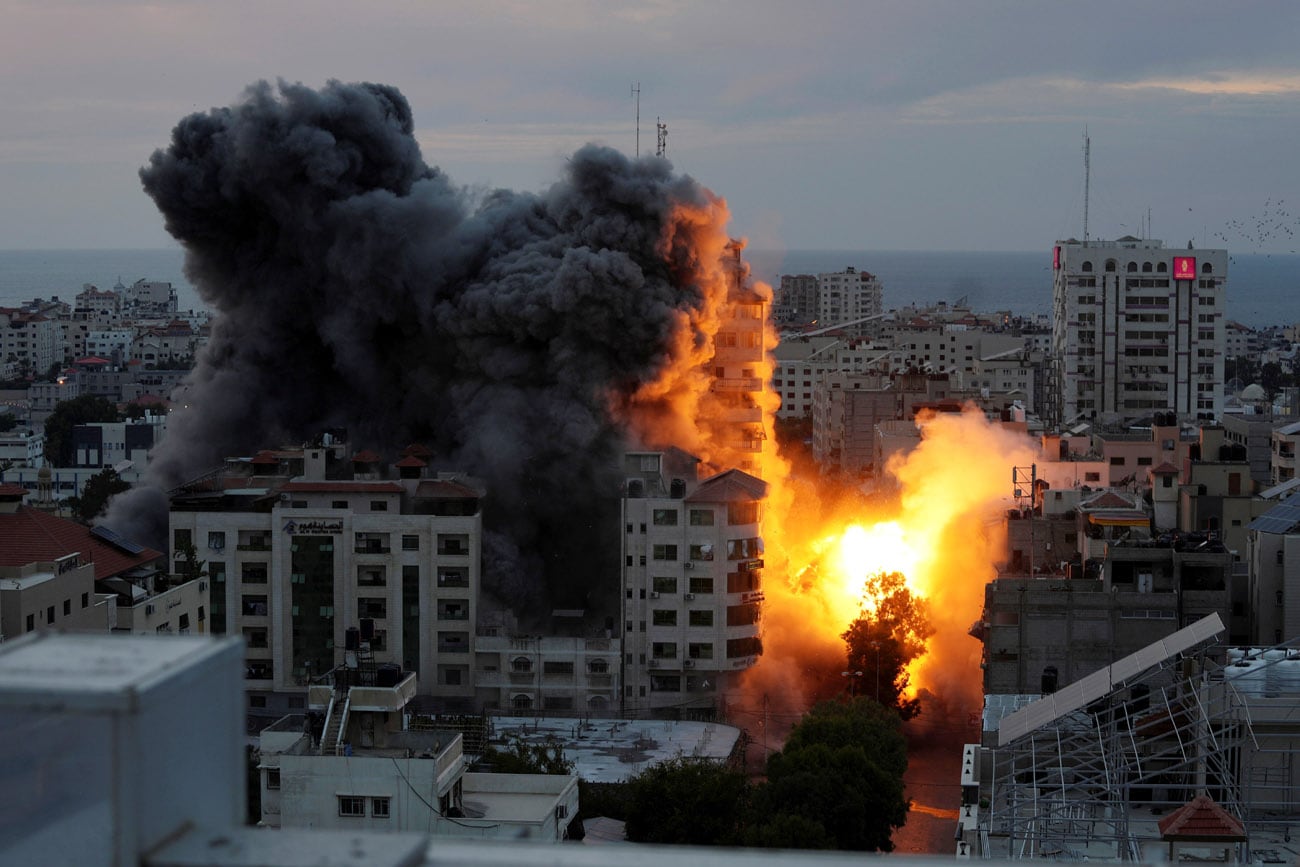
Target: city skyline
(935, 125)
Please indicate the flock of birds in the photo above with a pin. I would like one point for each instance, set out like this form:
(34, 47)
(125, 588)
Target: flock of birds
(1261, 231)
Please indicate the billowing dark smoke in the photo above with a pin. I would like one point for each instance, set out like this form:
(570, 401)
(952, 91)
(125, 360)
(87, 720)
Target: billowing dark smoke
(357, 287)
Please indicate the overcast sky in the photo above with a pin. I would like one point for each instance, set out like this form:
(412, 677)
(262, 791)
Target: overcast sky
(841, 125)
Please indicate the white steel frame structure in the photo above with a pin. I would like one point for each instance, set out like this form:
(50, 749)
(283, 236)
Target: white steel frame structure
(1087, 772)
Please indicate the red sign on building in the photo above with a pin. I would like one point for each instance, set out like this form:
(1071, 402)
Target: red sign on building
(1184, 267)
(1056, 258)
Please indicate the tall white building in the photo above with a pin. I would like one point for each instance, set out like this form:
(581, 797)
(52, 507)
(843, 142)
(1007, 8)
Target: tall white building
(692, 584)
(849, 296)
(298, 561)
(1138, 328)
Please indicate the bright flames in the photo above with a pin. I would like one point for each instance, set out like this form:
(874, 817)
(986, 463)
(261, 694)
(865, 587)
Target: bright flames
(930, 519)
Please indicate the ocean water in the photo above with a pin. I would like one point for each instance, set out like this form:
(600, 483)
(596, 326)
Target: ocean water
(1262, 289)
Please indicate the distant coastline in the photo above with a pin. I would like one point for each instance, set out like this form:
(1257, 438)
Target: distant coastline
(1263, 289)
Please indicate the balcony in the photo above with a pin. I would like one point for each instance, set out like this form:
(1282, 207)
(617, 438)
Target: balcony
(739, 383)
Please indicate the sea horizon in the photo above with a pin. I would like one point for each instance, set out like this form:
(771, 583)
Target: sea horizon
(1263, 288)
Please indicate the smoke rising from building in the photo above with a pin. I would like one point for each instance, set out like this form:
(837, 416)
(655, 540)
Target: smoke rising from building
(358, 287)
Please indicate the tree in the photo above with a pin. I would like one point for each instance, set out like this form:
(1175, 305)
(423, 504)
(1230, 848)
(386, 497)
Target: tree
(837, 783)
(687, 800)
(8, 421)
(888, 634)
(95, 494)
(68, 414)
(525, 758)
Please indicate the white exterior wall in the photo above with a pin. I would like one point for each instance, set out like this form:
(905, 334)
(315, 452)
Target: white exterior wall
(103, 342)
(23, 447)
(552, 673)
(435, 666)
(650, 672)
(1132, 342)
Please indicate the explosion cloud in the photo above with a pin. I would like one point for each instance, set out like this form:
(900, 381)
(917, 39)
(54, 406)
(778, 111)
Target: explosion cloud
(357, 287)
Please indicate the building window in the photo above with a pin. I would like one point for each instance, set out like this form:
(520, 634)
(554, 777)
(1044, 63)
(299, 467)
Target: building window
(410, 543)
(272, 779)
(699, 651)
(379, 808)
(663, 650)
(217, 541)
(1092, 477)
(351, 806)
(664, 517)
(664, 585)
(664, 617)
(701, 617)
(49, 614)
(701, 585)
(31, 622)
(379, 505)
(67, 607)
(701, 517)
(1117, 461)
(665, 552)
(339, 504)
(85, 600)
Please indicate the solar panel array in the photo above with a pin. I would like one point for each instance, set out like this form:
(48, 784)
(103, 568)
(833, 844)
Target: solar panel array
(115, 540)
(1282, 518)
(1085, 691)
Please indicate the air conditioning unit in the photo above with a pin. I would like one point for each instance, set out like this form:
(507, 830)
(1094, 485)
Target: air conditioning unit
(654, 595)
(217, 545)
(688, 565)
(689, 596)
(688, 663)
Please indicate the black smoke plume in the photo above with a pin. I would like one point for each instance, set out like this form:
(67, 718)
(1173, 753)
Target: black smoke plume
(357, 287)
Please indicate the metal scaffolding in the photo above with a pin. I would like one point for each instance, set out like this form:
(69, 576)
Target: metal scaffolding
(1088, 771)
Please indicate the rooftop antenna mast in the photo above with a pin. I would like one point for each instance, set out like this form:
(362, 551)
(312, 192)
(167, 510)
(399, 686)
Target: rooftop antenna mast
(636, 93)
(1087, 178)
(661, 149)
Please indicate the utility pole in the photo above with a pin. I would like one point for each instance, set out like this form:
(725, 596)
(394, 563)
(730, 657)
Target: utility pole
(636, 93)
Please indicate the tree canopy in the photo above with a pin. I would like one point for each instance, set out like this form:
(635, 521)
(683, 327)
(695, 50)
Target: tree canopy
(889, 633)
(96, 493)
(687, 800)
(66, 415)
(525, 758)
(836, 784)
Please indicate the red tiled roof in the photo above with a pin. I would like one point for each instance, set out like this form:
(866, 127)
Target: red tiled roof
(444, 489)
(92, 359)
(366, 457)
(342, 486)
(32, 536)
(411, 461)
(1203, 820)
(264, 457)
(1108, 500)
(10, 491)
(418, 450)
(1165, 469)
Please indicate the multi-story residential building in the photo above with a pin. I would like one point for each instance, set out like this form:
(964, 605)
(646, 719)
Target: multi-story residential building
(302, 564)
(796, 300)
(34, 341)
(108, 444)
(92, 300)
(850, 298)
(1137, 328)
(1283, 442)
(59, 574)
(1077, 625)
(149, 298)
(165, 344)
(1273, 554)
(113, 344)
(356, 769)
(692, 581)
(548, 674)
(846, 410)
(21, 447)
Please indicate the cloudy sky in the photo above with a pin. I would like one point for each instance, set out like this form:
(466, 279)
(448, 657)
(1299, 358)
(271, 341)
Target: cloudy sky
(946, 125)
